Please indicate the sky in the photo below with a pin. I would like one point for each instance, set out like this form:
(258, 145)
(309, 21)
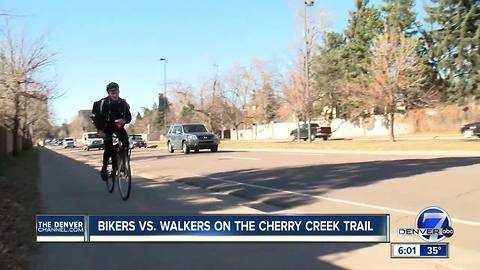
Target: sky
(96, 42)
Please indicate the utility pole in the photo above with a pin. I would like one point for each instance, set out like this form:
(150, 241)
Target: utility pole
(308, 3)
(165, 102)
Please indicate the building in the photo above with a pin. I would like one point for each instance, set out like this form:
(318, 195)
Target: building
(81, 123)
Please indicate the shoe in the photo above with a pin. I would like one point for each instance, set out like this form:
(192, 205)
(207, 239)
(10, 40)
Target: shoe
(103, 173)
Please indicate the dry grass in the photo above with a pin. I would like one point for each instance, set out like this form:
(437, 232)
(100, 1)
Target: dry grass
(407, 143)
(19, 202)
(372, 145)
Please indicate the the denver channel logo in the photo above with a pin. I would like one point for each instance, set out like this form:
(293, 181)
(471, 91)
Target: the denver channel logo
(433, 225)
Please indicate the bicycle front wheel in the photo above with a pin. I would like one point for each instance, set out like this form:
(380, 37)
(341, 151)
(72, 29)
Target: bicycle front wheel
(124, 178)
(110, 181)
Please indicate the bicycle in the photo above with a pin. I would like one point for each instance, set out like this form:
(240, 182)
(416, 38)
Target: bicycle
(121, 172)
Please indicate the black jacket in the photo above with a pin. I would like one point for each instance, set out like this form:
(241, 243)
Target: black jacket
(105, 112)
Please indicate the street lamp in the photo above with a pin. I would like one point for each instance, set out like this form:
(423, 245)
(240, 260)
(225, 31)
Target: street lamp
(308, 3)
(165, 103)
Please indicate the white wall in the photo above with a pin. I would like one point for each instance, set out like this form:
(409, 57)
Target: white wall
(340, 128)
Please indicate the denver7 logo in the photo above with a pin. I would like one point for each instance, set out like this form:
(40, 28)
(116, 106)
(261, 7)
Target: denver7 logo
(436, 219)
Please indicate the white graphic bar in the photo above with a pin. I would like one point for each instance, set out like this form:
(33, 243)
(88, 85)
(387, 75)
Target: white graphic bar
(57, 238)
(405, 250)
(237, 238)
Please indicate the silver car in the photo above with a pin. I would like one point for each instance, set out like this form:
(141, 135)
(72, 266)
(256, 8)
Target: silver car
(188, 137)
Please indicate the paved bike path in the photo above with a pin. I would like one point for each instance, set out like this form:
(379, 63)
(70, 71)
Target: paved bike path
(68, 186)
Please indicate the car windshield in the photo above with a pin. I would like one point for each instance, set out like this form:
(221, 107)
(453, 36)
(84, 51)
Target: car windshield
(69, 140)
(136, 137)
(194, 128)
(93, 136)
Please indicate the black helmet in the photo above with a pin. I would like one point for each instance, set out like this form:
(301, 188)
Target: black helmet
(112, 85)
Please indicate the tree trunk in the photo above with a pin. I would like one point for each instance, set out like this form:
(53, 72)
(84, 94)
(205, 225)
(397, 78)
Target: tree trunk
(309, 131)
(16, 124)
(392, 126)
(298, 131)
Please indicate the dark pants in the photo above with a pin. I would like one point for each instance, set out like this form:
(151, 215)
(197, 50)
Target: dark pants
(121, 135)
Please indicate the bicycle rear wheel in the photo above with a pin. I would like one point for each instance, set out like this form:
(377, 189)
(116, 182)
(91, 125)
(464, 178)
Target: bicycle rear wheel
(124, 176)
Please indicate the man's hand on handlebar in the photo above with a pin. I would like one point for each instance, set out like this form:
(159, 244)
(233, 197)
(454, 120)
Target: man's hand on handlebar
(120, 122)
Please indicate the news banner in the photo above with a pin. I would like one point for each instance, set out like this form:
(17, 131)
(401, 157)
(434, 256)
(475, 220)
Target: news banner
(231, 228)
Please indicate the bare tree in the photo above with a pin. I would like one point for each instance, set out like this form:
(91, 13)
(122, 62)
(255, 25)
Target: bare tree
(23, 96)
(211, 103)
(184, 103)
(263, 105)
(240, 84)
(294, 93)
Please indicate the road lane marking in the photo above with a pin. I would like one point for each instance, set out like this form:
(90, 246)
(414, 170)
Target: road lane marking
(427, 153)
(303, 154)
(378, 207)
(242, 158)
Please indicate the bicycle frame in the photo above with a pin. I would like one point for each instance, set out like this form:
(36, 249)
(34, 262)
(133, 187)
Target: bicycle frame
(121, 172)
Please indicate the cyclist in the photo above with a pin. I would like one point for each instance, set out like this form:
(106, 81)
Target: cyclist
(109, 116)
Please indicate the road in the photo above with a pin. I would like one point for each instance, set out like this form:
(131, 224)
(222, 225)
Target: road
(240, 182)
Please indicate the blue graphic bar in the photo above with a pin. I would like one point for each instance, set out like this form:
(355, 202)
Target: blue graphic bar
(434, 250)
(232, 228)
(56, 228)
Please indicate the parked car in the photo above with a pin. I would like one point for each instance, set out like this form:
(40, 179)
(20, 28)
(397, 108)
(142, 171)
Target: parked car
(60, 141)
(136, 141)
(470, 130)
(91, 140)
(69, 142)
(316, 131)
(188, 137)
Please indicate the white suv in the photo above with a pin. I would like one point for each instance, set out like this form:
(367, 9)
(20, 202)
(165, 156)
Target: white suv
(69, 142)
(91, 140)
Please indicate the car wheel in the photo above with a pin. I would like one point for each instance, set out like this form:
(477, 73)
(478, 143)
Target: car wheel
(186, 149)
(312, 137)
(325, 138)
(170, 148)
(304, 139)
(468, 134)
(214, 149)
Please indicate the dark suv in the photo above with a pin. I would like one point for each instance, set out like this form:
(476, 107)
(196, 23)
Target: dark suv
(316, 132)
(188, 137)
(136, 141)
(470, 130)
